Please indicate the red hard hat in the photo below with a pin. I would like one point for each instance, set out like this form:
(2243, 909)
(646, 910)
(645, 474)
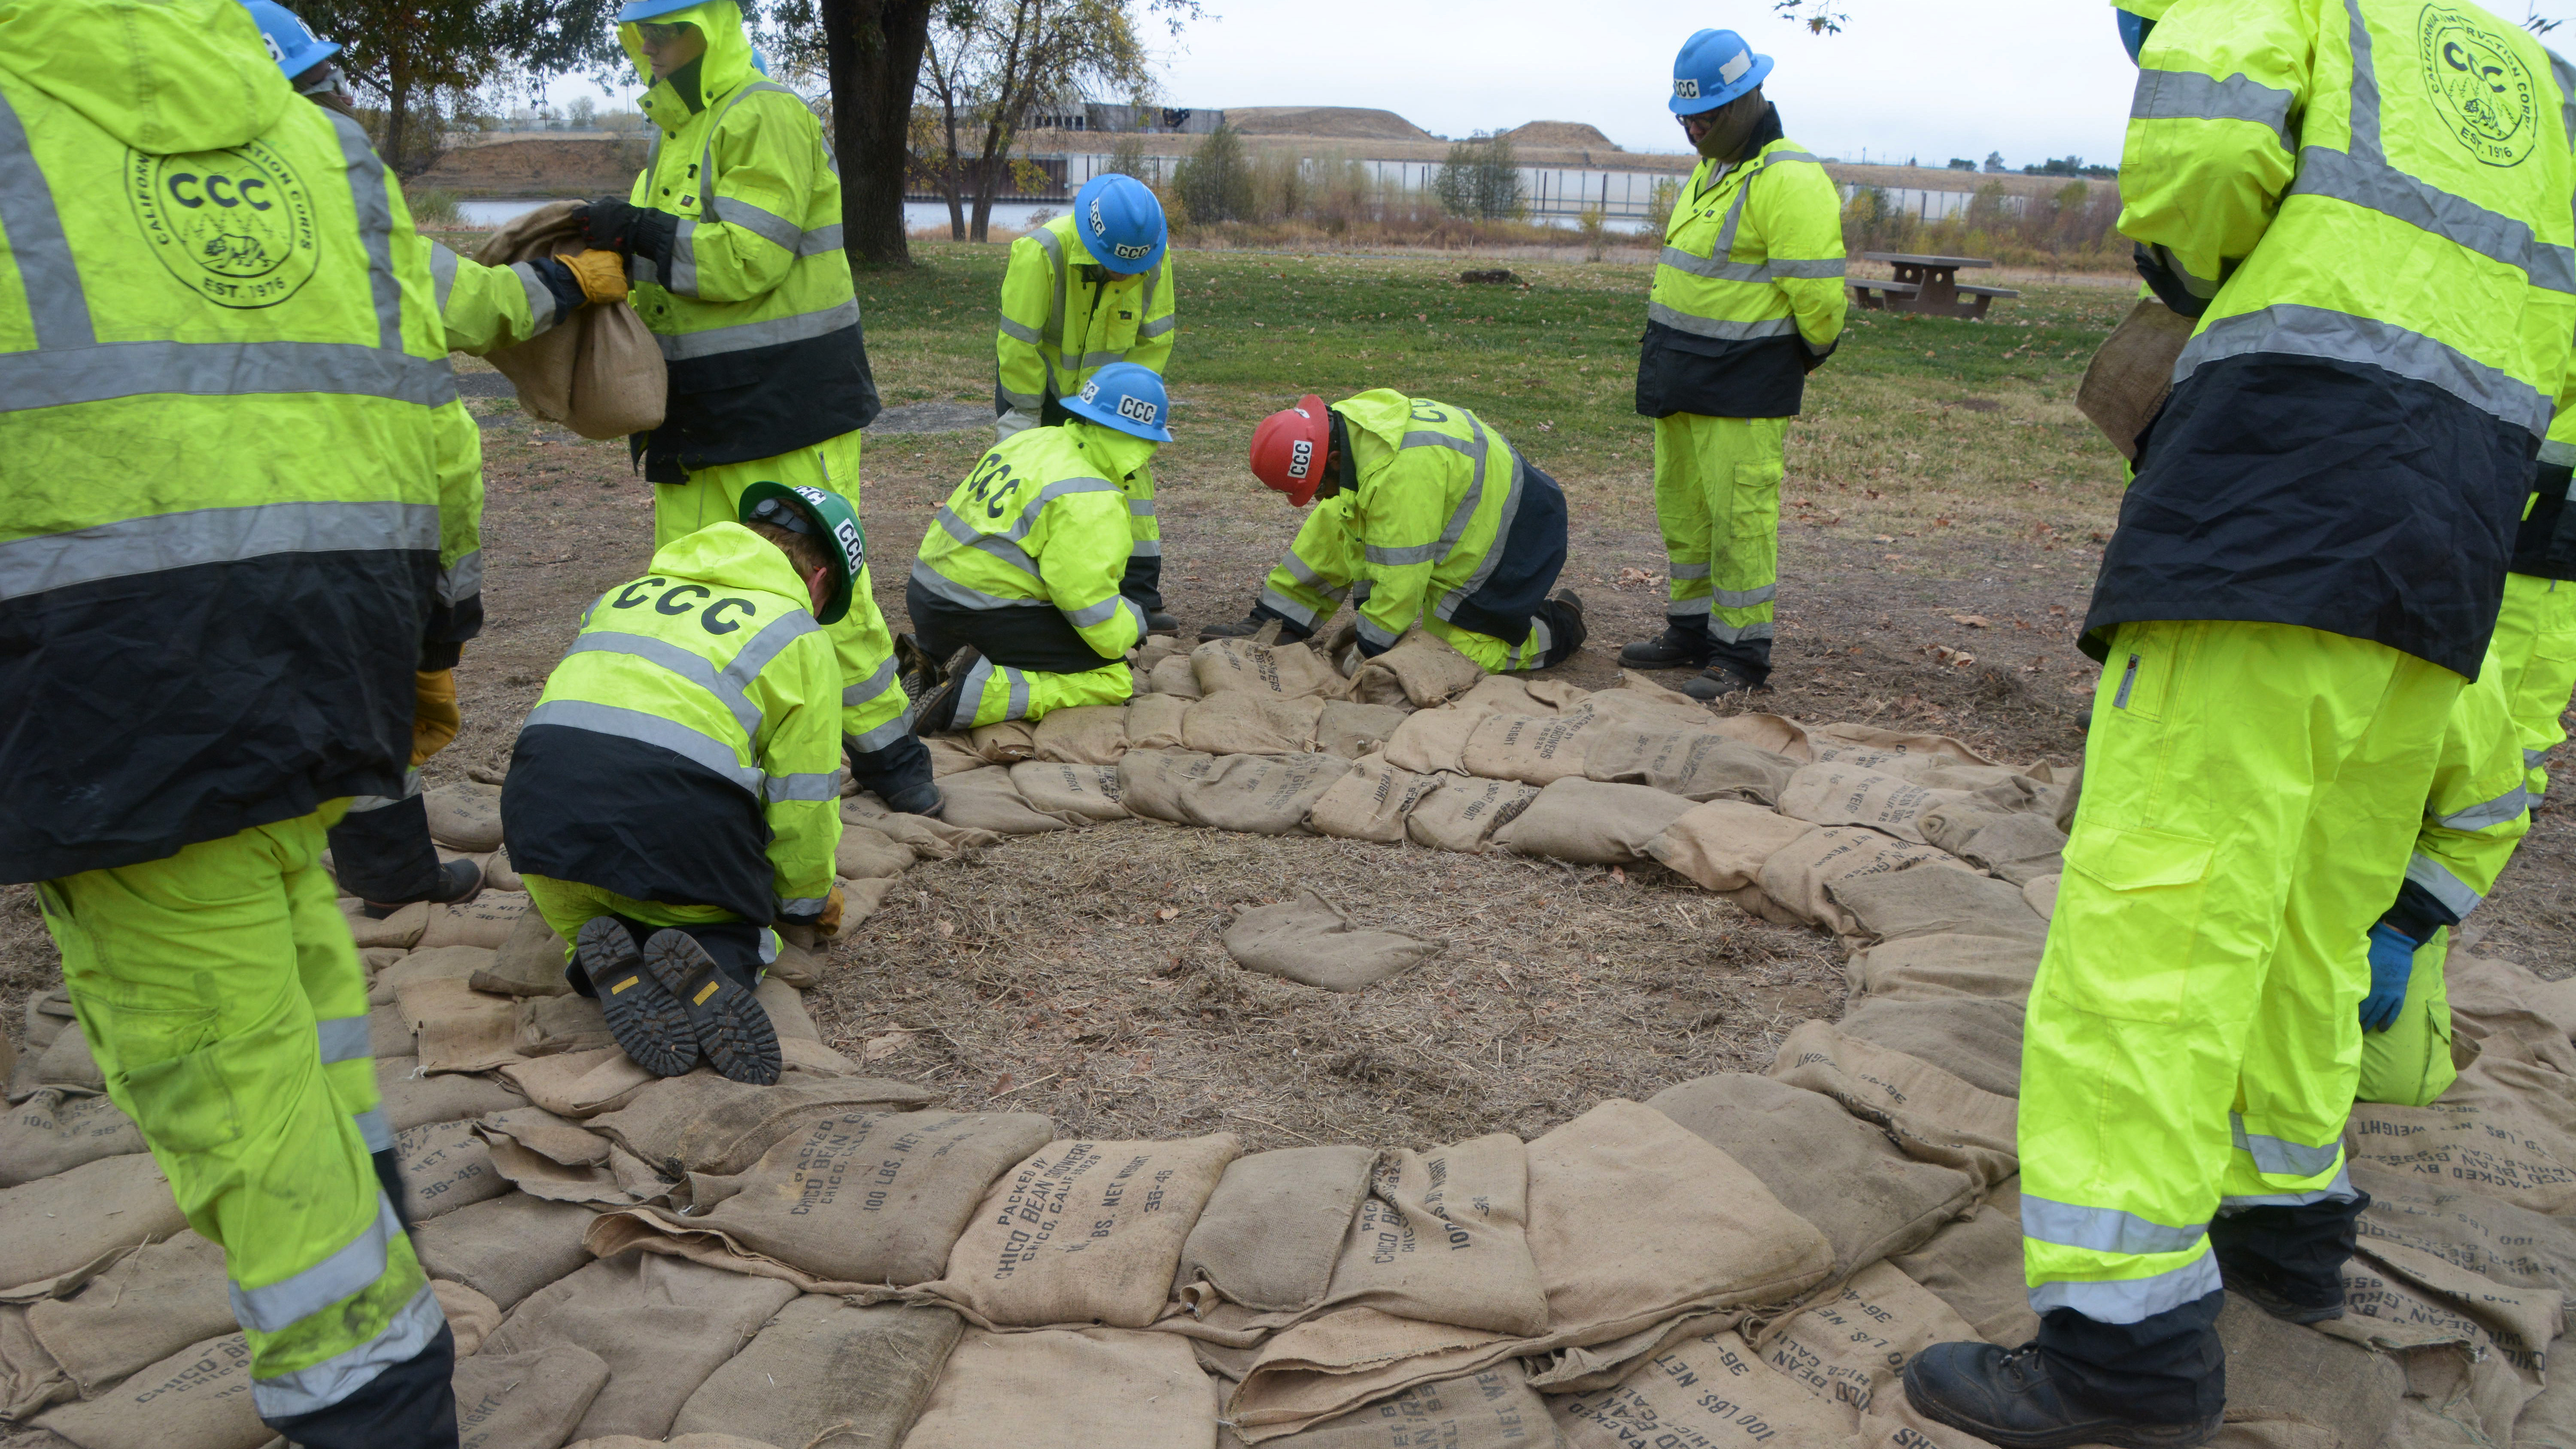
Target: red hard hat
(1291, 449)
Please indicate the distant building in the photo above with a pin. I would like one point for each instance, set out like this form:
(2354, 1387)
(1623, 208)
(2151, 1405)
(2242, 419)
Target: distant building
(1113, 117)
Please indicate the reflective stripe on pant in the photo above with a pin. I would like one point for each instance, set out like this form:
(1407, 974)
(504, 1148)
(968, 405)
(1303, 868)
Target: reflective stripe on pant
(1717, 498)
(994, 692)
(2535, 642)
(1325, 561)
(2410, 1063)
(1144, 578)
(226, 1006)
(872, 701)
(2251, 792)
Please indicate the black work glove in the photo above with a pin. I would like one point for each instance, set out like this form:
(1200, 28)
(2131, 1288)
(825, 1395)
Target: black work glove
(610, 223)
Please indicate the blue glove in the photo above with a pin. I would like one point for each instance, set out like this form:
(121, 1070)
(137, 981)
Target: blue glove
(2392, 961)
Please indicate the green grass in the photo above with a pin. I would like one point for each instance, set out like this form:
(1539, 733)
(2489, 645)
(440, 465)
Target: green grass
(1915, 424)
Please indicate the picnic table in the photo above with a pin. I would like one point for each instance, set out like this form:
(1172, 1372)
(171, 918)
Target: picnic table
(1926, 284)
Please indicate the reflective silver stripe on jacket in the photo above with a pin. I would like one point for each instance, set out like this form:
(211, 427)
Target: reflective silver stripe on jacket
(971, 690)
(462, 579)
(541, 298)
(1721, 330)
(1772, 270)
(374, 1130)
(884, 734)
(309, 1390)
(2182, 95)
(965, 597)
(2511, 805)
(442, 273)
(731, 685)
(361, 804)
(163, 541)
(350, 1269)
(44, 379)
(2290, 329)
(367, 188)
(341, 1038)
(2128, 1300)
(2281, 1157)
(1504, 518)
(743, 336)
(998, 545)
(2456, 895)
(2103, 1230)
(2558, 454)
(854, 695)
(55, 302)
(652, 729)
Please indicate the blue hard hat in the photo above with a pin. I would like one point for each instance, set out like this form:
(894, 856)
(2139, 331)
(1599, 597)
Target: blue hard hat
(2133, 31)
(291, 43)
(1715, 67)
(1121, 223)
(760, 62)
(634, 10)
(1127, 396)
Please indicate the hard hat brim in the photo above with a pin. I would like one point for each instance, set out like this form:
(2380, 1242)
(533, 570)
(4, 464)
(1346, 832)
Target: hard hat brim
(635, 10)
(1752, 78)
(1095, 413)
(760, 493)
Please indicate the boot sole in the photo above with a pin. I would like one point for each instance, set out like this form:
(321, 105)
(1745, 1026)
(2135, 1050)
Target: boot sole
(734, 1032)
(2120, 1436)
(645, 1019)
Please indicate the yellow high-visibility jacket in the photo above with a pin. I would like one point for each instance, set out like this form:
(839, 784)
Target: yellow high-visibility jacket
(2368, 205)
(1040, 523)
(1065, 317)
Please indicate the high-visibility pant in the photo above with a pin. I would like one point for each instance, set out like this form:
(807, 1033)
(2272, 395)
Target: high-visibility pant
(1717, 498)
(2410, 1063)
(227, 1008)
(2535, 642)
(2251, 795)
(993, 693)
(1143, 580)
(743, 949)
(872, 701)
(1326, 563)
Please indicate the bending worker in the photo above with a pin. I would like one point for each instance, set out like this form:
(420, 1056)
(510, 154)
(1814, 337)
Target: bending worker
(1016, 584)
(700, 704)
(250, 276)
(1429, 519)
(2536, 632)
(733, 233)
(1082, 292)
(2277, 676)
(381, 850)
(1748, 299)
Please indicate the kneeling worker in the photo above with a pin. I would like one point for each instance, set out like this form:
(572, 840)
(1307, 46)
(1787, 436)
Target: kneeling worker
(1429, 517)
(1017, 583)
(675, 791)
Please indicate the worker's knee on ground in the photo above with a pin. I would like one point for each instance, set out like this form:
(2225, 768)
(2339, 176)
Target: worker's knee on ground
(1029, 694)
(2410, 1063)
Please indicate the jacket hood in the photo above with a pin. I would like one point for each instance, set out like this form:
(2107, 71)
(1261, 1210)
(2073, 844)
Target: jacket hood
(730, 556)
(724, 69)
(1116, 454)
(1381, 412)
(164, 78)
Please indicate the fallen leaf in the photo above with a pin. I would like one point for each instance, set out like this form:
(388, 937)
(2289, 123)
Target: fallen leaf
(946, 929)
(1973, 621)
(878, 1048)
(1883, 538)
(1166, 913)
(1618, 874)
(1547, 427)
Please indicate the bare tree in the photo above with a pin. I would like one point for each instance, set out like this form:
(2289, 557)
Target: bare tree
(1824, 17)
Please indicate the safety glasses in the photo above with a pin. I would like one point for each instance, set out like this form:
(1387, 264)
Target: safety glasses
(656, 35)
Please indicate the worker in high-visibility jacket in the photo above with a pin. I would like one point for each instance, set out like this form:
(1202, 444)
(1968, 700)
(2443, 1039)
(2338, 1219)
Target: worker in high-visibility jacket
(675, 793)
(221, 367)
(1082, 292)
(1429, 519)
(733, 236)
(380, 850)
(2371, 209)
(2478, 813)
(1015, 590)
(1747, 300)
(2536, 631)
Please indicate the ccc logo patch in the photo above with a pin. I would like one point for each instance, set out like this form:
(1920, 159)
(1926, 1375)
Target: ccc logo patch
(1301, 457)
(1136, 409)
(235, 226)
(1686, 88)
(2480, 87)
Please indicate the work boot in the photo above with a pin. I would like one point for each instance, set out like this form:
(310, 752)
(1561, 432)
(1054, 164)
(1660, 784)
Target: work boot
(938, 712)
(458, 880)
(1158, 622)
(2005, 1397)
(647, 1021)
(1717, 682)
(1572, 631)
(1672, 649)
(733, 1029)
(919, 798)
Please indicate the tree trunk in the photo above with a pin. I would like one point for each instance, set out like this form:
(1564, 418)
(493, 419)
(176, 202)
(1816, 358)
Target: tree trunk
(874, 56)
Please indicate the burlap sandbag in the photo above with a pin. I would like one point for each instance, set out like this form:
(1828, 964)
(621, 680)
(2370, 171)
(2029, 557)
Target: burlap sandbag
(2040, 893)
(465, 815)
(1710, 1391)
(1273, 1228)
(148, 1305)
(1085, 792)
(985, 800)
(198, 1397)
(1443, 1237)
(1722, 844)
(410, 1097)
(1591, 823)
(1999, 967)
(485, 921)
(2510, 1012)
(1848, 1349)
(54, 1131)
(2491, 1238)
(30, 1380)
(1698, 765)
(499, 874)
(1830, 1168)
(1070, 1388)
(461, 1029)
(507, 1248)
(930, 838)
(2396, 1297)
(1493, 1408)
(1353, 730)
(1090, 734)
(1249, 722)
(399, 930)
(1533, 749)
(445, 1166)
(508, 1400)
(1282, 671)
(1174, 678)
(1941, 749)
(528, 962)
(1330, 1366)
(1837, 793)
(1369, 803)
(2280, 1374)
(1007, 743)
(1312, 941)
(1422, 670)
(826, 1372)
(567, 1023)
(949, 755)
(57, 1231)
(69, 1066)
(2016, 845)
(1085, 1232)
(579, 1084)
(1900, 905)
(550, 1157)
(703, 1123)
(1795, 877)
(1929, 1113)
(1464, 812)
(1977, 1039)
(662, 1325)
(1520, 694)
(434, 963)
(2487, 1147)
(841, 1202)
(1154, 722)
(471, 1317)
(1256, 794)
(2125, 384)
(867, 854)
(600, 371)
(1975, 1266)
(1434, 741)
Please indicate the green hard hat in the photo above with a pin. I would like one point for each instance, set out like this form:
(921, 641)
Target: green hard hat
(823, 514)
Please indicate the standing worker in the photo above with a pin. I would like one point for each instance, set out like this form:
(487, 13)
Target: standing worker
(1748, 299)
(2536, 632)
(1082, 292)
(1016, 583)
(223, 369)
(1429, 517)
(2383, 322)
(733, 231)
(381, 850)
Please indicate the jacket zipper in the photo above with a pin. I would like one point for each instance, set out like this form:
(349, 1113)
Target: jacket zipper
(2127, 680)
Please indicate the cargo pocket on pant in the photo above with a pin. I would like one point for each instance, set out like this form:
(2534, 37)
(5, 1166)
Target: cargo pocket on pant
(172, 1068)
(2139, 915)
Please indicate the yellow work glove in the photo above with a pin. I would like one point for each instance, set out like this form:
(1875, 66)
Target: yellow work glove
(828, 924)
(434, 719)
(602, 275)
